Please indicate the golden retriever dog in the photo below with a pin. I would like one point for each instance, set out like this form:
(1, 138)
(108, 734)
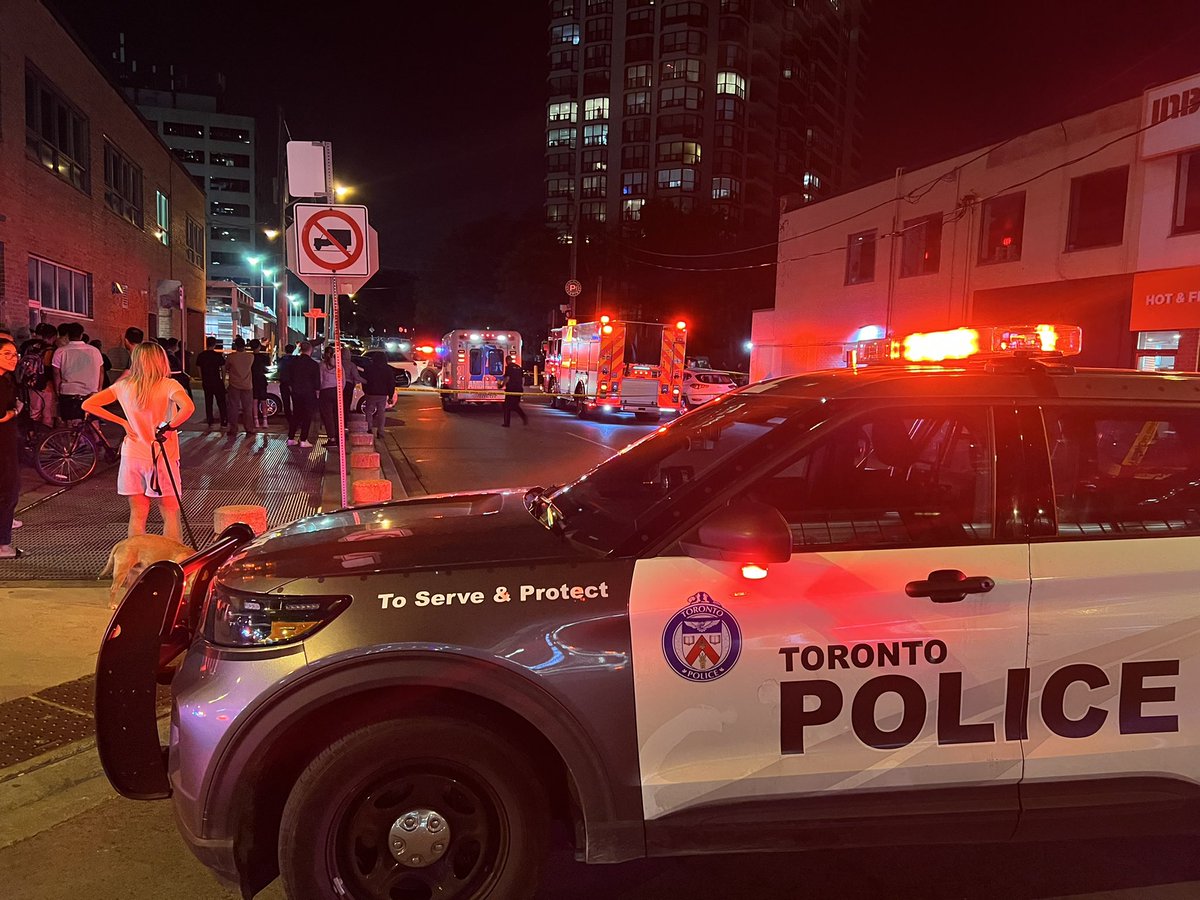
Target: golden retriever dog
(130, 556)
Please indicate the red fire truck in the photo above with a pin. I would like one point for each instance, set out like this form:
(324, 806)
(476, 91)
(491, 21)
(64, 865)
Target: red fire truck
(615, 366)
(473, 361)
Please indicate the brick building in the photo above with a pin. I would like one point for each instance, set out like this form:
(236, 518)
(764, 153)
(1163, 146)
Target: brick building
(99, 221)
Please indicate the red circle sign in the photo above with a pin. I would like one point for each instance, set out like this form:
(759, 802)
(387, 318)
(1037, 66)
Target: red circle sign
(310, 251)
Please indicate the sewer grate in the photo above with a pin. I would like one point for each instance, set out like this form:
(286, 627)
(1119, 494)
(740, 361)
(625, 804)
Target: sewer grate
(30, 727)
(79, 694)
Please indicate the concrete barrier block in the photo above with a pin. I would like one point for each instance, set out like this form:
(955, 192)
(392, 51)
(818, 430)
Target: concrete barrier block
(254, 516)
(364, 459)
(373, 490)
(357, 425)
(362, 440)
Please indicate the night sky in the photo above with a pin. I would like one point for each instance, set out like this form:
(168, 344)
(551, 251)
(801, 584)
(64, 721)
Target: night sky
(435, 109)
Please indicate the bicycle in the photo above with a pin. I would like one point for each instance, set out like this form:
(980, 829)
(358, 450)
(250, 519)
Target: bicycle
(71, 453)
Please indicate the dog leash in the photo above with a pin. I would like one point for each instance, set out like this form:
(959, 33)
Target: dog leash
(157, 452)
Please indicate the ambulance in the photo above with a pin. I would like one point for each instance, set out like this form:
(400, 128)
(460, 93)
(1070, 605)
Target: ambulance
(944, 594)
(473, 361)
(616, 366)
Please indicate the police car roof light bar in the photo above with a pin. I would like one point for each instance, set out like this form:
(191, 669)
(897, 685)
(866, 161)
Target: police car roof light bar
(989, 342)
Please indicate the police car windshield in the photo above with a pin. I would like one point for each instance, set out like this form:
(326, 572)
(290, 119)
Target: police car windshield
(608, 504)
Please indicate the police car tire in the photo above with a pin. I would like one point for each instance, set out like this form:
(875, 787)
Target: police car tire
(325, 793)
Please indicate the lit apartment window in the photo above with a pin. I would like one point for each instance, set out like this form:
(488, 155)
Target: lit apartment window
(594, 186)
(595, 135)
(560, 187)
(595, 159)
(687, 152)
(811, 180)
(236, 210)
(731, 83)
(726, 188)
(56, 135)
(1001, 228)
(860, 257)
(560, 137)
(921, 245)
(1157, 350)
(183, 129)
(233, 135)
(196, 157)
(680, 69)
(557, 213)
(229, 233)
(1187, 194)
(195, 242)
(637, 103)
(564, 34)
(631, 210)
(122, 185)
(1097, 217)
(59, 288)
(563, 112)
(637, 76)
(233, 160)
(561, 9)
(163, 206)
(633, 184)
(595, 109)
(680, 179)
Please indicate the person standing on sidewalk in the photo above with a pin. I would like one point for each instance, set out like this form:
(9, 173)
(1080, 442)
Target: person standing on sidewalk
(282, 362)
(35, 374)
(149, 397)
(258, 377)
(331, 390)
(513, 382)
(78, 371)
(350, 377)
(379, 388)
(10, 468)
(211, 363)
(238, 366)
(120, 355)
(304, 374)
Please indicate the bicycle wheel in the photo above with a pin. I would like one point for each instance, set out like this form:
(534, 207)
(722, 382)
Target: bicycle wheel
(65, 456)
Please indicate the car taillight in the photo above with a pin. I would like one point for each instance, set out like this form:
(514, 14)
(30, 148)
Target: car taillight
(240, 619)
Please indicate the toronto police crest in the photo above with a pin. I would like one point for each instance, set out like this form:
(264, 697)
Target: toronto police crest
(702, 641)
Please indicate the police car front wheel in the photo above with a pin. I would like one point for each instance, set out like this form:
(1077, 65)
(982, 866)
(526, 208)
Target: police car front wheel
(425, 807)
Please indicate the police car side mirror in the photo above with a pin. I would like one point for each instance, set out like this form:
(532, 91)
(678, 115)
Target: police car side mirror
(745, 531)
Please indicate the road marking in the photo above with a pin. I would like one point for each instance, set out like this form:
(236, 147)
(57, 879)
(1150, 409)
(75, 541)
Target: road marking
(590, 441)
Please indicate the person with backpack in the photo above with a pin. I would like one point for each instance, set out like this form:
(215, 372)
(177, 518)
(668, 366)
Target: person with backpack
(33, 374)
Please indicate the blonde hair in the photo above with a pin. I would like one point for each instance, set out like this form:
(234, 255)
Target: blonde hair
(148, 366)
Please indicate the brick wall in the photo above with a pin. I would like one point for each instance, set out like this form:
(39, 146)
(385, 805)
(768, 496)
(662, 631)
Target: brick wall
(43, 215)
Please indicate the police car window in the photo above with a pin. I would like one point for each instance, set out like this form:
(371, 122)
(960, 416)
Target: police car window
(604, 507)
(891, 479)
(1119, 472)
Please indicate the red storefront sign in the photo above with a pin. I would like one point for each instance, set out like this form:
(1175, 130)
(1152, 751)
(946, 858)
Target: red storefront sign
(1165, 299)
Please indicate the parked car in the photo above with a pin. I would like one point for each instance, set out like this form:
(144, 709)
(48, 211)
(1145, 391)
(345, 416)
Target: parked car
(702, 385)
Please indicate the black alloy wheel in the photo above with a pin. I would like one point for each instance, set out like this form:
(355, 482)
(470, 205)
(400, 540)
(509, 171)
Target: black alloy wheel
(415, 810)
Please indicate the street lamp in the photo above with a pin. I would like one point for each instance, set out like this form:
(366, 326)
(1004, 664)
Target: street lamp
(271, 233)
(342, 190)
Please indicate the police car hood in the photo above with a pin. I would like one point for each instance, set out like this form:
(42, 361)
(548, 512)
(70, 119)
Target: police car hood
(430, 532)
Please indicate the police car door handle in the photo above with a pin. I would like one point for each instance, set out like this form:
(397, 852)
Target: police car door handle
(949, 586)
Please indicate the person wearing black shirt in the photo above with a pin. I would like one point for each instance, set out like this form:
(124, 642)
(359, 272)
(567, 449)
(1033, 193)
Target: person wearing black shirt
(304, 373)
(258, 380)
(285, 380)
(513, 382)
(10, 478)
(211, 363)
(379, 388)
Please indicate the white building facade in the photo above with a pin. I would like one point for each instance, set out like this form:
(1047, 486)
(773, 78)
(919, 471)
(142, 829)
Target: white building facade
(1093, 221)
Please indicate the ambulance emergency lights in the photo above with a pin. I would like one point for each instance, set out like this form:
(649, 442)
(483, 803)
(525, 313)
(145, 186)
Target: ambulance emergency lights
(964, 343)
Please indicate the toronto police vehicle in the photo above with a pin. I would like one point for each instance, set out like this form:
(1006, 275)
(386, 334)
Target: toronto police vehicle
(882, 604)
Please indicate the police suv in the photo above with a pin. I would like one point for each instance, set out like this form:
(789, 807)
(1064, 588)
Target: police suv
(882, 604)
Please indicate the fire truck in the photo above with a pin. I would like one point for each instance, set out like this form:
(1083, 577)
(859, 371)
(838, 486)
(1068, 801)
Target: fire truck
(473, 363)
(615, 366)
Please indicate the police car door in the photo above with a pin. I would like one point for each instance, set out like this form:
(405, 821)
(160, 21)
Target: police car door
(859, 668)
(1114, 625)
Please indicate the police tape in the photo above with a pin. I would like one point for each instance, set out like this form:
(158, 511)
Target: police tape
(492, 392)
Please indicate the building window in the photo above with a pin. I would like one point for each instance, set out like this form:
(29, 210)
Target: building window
(195, 242)
(599, 7)
(731, 136)
(564, 34)
(685, 96)
(686, 124)
(731, 83)
(687, 152)
(1001, 228)
(189, 156)
(234, 135)
(558, 213)
(560, 187)
(229, 233)
(639, 48)
(639, 21)
(122, 185)
(732, 56)
(183, 129)
(233, 160)
(733, 6)
(727, 162)
(59, 288)
(680, 69)
(1098, 209)
(598, 29)
(631, 210)
(560, 9)
(635, 156)
(560, 162)
(597, 56)
(561, 84)
(921, 247)
(593, 211)
(595, 160)
(685, 14)
(812, 180)
(730, 109)
(726, 189)
(637, 103)
(1187, 194)
(237, 210)
(596, 81)
(1156, 350)
(637, 76)
(693, 43)
(595, 135)
(680, 179)
(595, 109)
(635, 130)
(860, 257)
(162, 205)
(594, 186)
(56, 134)
(563, 59)
(226, 259)
(232, 185)
(563, 112)
(560, 137)
(633, 184)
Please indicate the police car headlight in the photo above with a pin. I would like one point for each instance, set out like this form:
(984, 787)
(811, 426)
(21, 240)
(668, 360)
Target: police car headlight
(241, 619)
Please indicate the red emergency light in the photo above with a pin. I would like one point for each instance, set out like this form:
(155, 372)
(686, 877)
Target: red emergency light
(967, 343)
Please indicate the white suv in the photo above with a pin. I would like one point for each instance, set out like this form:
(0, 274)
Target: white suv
(702, 385)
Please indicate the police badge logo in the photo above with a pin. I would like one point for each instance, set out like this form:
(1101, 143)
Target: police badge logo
(703, 640)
